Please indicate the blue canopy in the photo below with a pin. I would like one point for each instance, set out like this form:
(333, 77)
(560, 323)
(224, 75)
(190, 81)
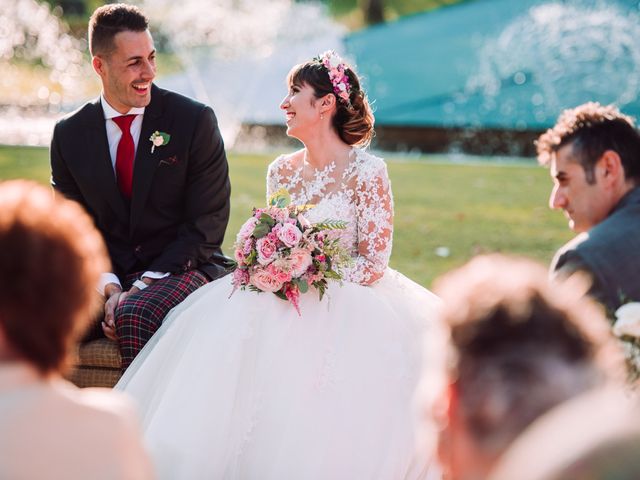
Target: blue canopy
(501, 63)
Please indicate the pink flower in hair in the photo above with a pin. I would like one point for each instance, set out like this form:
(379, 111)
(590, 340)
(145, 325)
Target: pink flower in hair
(336, 69)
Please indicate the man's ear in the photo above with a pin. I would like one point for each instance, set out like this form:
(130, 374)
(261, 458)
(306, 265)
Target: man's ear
(610, 167)
(99, 65)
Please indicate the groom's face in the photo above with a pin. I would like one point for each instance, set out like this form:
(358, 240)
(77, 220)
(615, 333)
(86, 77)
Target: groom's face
(128, 70)
(584, 203)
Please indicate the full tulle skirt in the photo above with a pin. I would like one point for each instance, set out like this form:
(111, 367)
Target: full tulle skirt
(245, 388)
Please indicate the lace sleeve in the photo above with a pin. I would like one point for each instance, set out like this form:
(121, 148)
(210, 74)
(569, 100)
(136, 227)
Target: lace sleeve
(273, 177)
(374, 216)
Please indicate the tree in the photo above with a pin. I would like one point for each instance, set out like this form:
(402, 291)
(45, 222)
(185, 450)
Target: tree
(373, 11)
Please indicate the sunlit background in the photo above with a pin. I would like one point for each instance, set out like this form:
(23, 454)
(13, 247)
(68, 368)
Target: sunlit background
(482, 76)
(475, 81)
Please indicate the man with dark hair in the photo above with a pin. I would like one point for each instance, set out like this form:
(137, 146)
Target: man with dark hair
(532, 376)
(149, 166)
(594, 156)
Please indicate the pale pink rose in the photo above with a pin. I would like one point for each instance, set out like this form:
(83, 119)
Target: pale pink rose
(273, 237)
(299, 261)
(290, 235)
(280, 263)
(266, 251)
(265, 281)
(247, 229)
(238, 255)
(282, 275)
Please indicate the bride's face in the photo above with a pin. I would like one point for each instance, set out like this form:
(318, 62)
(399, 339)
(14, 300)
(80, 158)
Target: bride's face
(302, 109)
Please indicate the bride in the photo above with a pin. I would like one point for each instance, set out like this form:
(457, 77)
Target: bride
(242, 387)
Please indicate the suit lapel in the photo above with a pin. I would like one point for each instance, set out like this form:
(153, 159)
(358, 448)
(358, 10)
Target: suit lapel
(146, 162)
(98, 149)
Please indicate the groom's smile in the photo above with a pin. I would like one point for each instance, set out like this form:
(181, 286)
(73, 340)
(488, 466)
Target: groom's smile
(143, 88)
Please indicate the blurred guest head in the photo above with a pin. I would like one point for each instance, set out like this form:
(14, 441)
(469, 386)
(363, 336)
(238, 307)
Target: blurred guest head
(593, 156)
(50, 260)
(518, 347)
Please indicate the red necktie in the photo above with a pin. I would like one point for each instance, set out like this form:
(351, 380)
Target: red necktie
(125, 154)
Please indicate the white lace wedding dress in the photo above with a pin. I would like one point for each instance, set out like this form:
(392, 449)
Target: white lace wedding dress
(244, 388)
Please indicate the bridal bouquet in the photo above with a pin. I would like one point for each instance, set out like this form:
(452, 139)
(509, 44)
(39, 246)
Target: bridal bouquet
(278, 250)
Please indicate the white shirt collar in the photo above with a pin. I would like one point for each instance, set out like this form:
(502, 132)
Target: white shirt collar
(110, 112)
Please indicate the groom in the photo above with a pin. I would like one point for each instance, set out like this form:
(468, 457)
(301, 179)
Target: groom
(149, 166)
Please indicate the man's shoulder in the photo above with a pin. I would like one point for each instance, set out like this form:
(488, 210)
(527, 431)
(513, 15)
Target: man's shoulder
(617, 233)
(79, 116)
(575, 243)
(173, 99)
(622, 226)
(570, 256)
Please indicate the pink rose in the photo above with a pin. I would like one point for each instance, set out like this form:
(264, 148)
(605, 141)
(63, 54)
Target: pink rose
(282, 275)
(265, 281)
(247, 229)
(299, 261)
(238, 255)
(266, 251)
(290, 235)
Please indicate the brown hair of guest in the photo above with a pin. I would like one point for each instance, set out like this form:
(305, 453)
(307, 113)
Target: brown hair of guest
(354, 121)
(109, 20)
(592, 129)
(51, 257)
(520, 345)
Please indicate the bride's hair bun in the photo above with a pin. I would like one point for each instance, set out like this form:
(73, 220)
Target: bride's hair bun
(353, 120)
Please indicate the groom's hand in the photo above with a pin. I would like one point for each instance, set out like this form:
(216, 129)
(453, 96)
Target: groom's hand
(114, 296)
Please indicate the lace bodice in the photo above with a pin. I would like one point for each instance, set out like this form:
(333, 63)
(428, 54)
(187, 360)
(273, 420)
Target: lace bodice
(359, 194)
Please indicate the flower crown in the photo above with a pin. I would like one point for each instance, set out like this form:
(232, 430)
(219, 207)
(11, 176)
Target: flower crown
(337, 74)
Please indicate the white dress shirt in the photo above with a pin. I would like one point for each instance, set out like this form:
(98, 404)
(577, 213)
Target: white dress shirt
(113, 136)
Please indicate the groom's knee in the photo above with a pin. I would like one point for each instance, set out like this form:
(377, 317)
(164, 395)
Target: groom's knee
(136, 313)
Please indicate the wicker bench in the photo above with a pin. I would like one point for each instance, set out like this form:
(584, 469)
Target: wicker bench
(97, 364)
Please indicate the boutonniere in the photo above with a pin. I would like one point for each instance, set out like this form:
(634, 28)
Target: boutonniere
(159, 139)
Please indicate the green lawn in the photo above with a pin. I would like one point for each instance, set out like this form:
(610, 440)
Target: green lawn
(468, 209)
